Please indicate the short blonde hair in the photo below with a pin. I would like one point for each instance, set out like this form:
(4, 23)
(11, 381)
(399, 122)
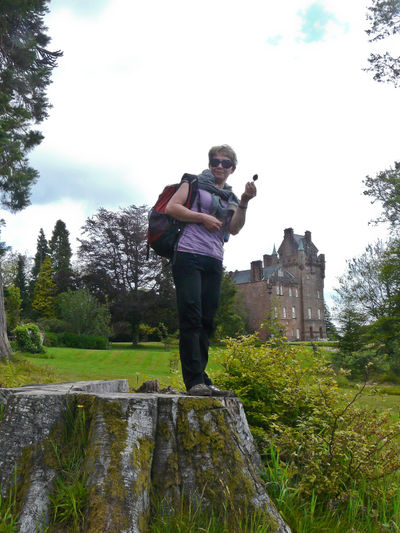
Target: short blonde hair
(225, 150)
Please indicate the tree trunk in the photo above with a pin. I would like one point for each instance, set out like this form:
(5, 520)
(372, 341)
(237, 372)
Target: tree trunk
(140, 454)
(5, 348)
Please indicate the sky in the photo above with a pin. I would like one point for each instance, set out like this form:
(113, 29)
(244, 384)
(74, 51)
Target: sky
(145, 88)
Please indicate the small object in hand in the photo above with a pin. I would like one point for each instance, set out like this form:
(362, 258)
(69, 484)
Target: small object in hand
(255, 177)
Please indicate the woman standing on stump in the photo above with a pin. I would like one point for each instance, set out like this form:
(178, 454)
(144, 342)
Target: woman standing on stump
(197, 265)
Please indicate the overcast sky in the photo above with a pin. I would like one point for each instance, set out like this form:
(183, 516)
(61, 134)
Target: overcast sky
(146, 87)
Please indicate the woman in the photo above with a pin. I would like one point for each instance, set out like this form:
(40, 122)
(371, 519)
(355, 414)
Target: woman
(197, 266)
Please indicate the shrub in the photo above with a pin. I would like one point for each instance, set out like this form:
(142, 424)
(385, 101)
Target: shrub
(53, 325)
(28, 338)
(51, 339)
(327, 443)
(90, 342)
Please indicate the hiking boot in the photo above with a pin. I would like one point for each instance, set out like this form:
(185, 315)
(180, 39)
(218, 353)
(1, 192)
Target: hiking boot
(215, 391)
(199, 390)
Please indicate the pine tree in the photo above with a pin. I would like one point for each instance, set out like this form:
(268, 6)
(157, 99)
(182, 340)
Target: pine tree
(22, 284)
(44, 293)
(42, 251)
(25, 69)
(60, 255)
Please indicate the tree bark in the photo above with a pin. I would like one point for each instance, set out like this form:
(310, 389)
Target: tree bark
(5, 347)
(141, 454)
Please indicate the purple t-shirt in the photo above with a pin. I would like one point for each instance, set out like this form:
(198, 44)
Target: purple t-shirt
(197, 239)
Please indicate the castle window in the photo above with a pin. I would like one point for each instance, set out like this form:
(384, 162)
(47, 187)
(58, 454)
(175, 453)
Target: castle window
(318, 294)
(297, 334)
(290, 291)
(309, 312)
(293, 312)
(319, 314)
(284, 312)
(281, 290)
(277, 290)
(276, 312)
(297, 293)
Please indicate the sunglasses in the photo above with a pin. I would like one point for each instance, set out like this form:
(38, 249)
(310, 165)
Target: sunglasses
(215, 162)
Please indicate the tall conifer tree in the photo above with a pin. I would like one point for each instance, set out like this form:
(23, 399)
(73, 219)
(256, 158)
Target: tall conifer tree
(22, 284)
(42, 251)
(44, 292)
(25, 69)
(60, 255)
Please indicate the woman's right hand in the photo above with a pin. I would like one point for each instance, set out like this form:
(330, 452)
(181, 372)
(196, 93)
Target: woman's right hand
(211, 223)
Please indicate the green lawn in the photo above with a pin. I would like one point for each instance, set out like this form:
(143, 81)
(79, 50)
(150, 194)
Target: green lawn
(137, 364)
(152, 361)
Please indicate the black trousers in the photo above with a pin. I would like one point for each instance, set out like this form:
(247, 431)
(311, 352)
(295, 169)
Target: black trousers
(198, 281)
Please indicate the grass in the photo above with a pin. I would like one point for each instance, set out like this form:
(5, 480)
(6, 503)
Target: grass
(123, 361)
(149, 361)
(357, 515)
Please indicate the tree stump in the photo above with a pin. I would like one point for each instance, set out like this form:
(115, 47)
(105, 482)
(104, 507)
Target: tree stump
(135, 449)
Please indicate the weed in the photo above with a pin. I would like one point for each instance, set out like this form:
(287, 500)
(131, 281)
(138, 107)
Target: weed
(188, 515)
(8, 506)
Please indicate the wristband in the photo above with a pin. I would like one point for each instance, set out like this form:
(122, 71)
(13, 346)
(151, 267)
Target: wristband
(242, 206)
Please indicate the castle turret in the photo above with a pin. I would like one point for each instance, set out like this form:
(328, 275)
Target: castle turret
(256, 271)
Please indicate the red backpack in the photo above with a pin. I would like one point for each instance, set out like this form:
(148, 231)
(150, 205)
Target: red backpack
(163, 230)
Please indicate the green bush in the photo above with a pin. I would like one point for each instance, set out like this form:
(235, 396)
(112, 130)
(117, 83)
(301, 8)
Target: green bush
(53, 325)
(28, 338)
(359, 363)
(327, 443)
(51, 339)
(90, 342)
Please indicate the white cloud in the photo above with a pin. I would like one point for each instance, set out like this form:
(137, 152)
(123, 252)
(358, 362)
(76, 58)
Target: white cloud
(145, 88)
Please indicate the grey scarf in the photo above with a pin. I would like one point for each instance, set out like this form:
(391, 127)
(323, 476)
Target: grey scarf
(207, 183)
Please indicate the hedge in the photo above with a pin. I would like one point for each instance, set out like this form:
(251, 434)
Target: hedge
(73, 340)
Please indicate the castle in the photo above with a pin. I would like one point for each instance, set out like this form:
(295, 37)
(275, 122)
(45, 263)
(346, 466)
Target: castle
(289, 285)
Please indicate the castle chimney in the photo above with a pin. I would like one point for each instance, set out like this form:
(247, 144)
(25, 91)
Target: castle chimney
(267, 259)
(288, 232)
(256, 271)
(307, 236)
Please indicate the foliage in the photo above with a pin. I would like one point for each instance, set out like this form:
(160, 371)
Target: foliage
(13, 303)
(352, 336)
(8, 508)
(226, 516)
(360, 513)
(369, 303)
(84, 313)
(75, 340)
(9, 268)
(60, 255)
(228, 321)
(331, 330)
(54, 325)
(70, 492)
(384, 18)
(149, 333)
(22, 283)
(28, 338)
(44, 293)
(23, 372)
(42, 251)
(114, 266)
(113, 252)
(25, 70)
(385, 188)
(328, 446)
